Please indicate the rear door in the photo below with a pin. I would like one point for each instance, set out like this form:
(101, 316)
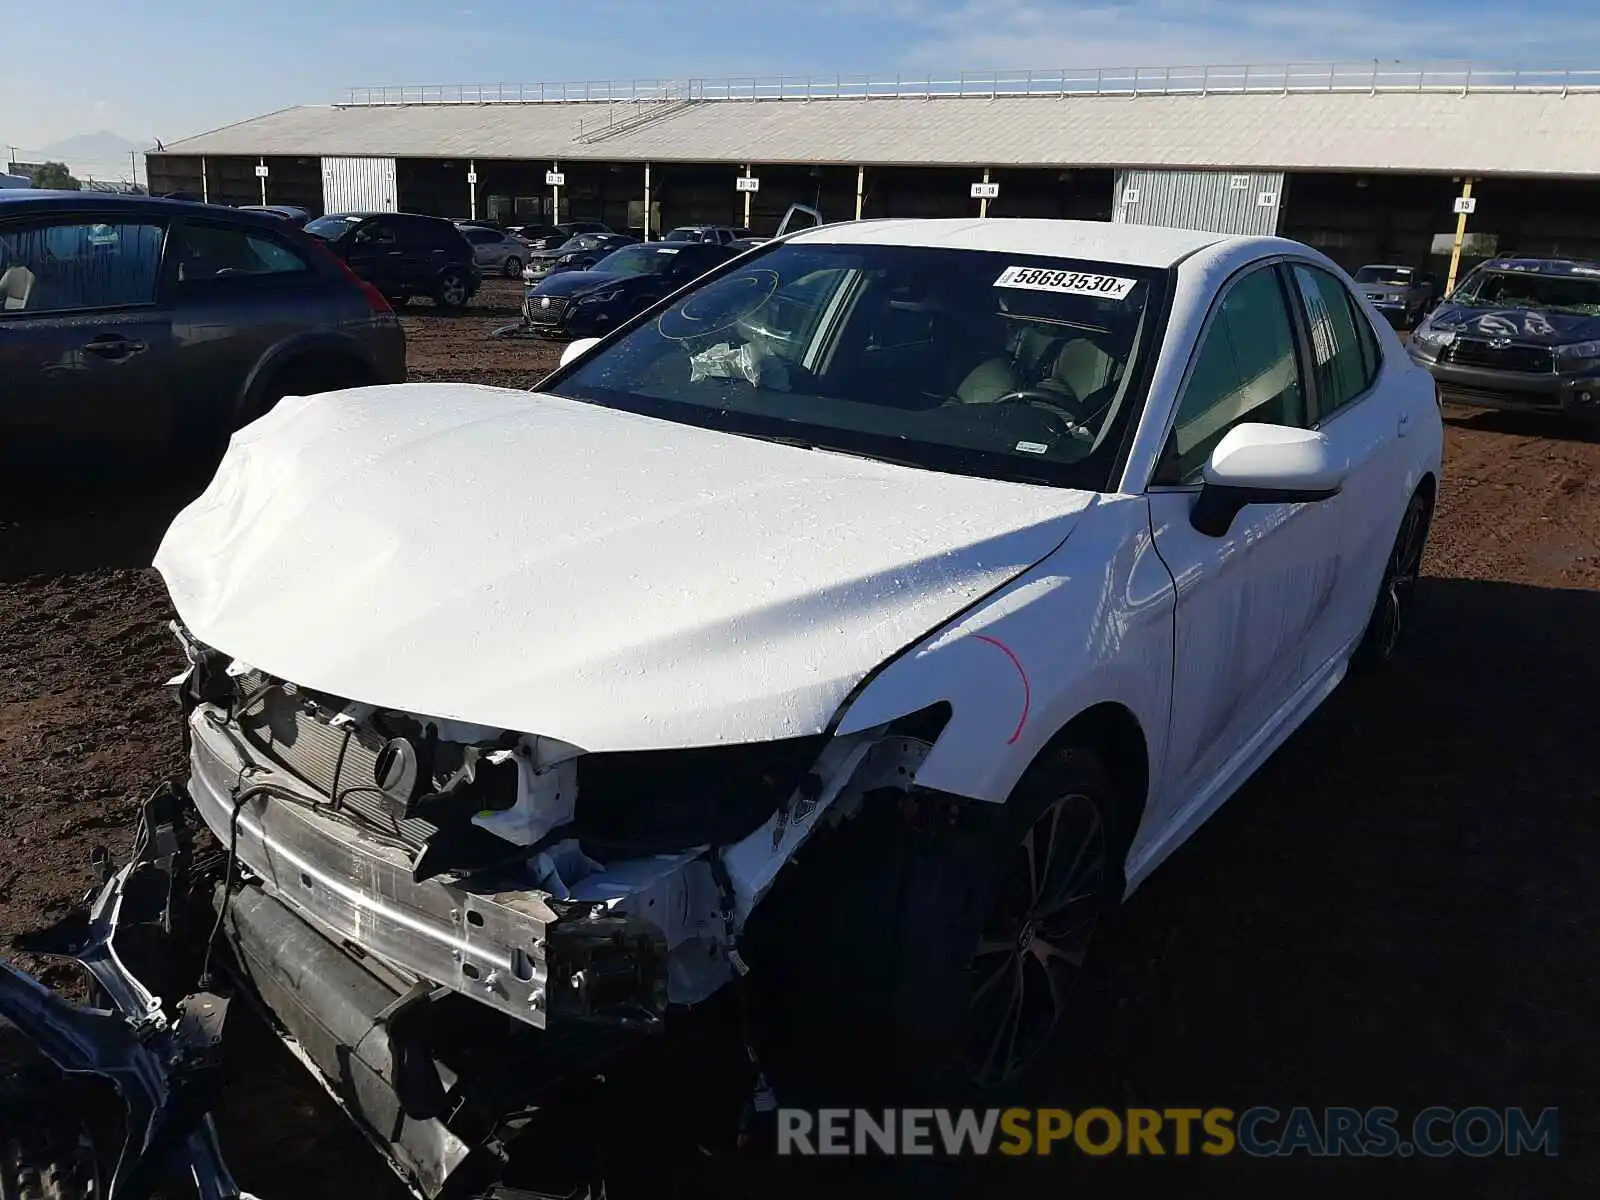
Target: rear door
(236, 291)
(86, 344)
(1363, 409)
(486, 245)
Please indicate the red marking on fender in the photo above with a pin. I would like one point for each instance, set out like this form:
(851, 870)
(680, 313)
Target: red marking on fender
(1027, 692)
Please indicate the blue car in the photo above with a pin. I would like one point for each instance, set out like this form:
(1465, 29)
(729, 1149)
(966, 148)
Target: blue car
(579, 304)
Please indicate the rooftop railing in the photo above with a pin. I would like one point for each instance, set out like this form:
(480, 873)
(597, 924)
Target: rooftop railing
(1213, 80)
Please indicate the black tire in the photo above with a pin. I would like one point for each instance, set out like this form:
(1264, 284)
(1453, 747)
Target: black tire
(512, 267)
(1015, 963)
(47, 1151)
(452, 291)
(877, 1002)
(1382, 638)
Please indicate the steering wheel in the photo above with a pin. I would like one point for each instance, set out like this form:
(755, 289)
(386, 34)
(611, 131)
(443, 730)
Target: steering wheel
(1049, 401)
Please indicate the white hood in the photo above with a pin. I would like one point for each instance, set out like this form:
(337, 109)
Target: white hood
(525, 562)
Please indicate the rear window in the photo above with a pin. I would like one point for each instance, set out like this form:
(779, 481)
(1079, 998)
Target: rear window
(332, 228)
(1393, 276)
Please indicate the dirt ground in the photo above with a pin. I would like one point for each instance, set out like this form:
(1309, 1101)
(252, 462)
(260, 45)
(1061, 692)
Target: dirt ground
(1399, 910)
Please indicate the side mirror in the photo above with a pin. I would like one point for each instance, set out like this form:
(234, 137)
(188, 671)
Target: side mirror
(577, 349)
(1264, 464)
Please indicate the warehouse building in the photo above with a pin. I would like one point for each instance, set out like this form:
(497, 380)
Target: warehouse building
(1368, 164)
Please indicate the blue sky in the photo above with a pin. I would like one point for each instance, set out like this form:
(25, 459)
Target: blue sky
(168, 68)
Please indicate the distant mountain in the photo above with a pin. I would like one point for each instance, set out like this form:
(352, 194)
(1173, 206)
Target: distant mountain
(92, 147)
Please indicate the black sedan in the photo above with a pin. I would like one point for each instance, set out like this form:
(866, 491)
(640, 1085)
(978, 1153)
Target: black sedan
(591, 303)
(578, 252)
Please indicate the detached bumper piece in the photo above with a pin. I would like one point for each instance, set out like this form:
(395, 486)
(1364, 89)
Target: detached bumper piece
(166, 1067)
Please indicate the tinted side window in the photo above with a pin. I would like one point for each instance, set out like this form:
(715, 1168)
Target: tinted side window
(214, 252)
(78, 264)
(374, 233)
(1245, 370)
(1344, 366)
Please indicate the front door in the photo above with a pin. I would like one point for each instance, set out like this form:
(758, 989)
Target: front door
(374, 252)
(1250, 602)
(85, 345)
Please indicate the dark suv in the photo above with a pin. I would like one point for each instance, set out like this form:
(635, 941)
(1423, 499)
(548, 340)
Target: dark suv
(130, 326)
(1519, 333)
(404, 254)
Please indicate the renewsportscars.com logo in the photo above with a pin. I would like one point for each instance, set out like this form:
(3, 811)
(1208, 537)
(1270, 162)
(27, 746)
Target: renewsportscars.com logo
(1259, 1132)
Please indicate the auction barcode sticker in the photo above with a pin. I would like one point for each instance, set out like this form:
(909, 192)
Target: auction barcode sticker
(1072, 283)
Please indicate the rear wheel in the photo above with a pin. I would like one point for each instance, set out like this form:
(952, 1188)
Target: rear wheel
(513, 267)
(1396, 591)
(451, 291)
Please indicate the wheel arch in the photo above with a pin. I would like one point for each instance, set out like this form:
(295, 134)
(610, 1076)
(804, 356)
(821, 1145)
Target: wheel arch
(1113, 733)
(298, 354)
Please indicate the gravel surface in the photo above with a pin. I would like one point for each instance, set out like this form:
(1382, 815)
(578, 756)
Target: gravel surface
(1400, 909)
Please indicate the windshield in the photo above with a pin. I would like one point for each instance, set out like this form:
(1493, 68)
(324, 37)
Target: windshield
(1009, 366)
(683, 235)
(636, 260)
(332, 228)
(1525, 289)
(1393, 276)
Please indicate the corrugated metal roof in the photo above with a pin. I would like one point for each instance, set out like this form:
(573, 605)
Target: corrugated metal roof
(1490, 133)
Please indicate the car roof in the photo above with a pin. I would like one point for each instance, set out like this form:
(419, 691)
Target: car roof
(1135, 245)
(13, 201)
(1544, 266)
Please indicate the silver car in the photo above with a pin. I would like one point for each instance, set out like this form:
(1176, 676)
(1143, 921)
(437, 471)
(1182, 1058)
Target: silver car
(495, 250)
(1402, 294)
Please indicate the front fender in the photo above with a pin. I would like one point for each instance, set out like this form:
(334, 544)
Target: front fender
(1090, 624)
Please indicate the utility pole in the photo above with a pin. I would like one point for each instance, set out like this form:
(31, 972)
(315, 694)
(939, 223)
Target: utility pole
(1464, 205)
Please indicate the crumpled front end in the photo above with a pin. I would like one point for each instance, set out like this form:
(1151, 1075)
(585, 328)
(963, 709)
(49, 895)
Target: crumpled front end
(388, 864)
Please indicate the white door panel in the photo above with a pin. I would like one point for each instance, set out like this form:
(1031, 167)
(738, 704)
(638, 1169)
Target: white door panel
(1249, 605)
(1364, 413)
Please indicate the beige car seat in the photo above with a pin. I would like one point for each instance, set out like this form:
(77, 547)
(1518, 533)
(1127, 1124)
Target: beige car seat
(1000, 376)
(1082, 368)
(16, 285)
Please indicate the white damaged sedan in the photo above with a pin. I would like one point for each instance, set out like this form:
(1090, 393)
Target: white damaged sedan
(1019, 543)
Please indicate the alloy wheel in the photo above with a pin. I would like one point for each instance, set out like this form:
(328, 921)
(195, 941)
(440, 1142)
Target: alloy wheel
(1035, 939)
(1400, 576)
(453, 291)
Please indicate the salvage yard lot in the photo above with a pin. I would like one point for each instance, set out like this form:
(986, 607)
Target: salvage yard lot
(1399, 910)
